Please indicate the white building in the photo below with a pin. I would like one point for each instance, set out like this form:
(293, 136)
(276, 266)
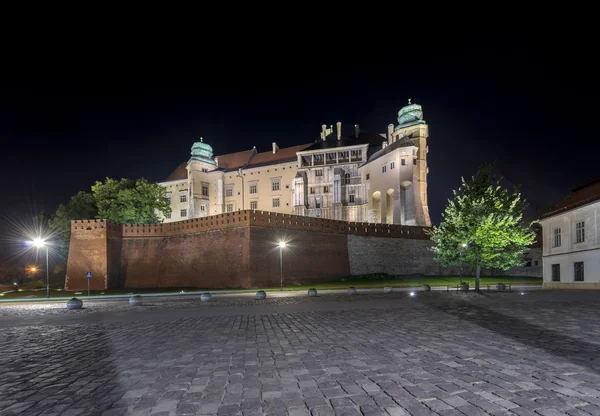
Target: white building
(571, 240)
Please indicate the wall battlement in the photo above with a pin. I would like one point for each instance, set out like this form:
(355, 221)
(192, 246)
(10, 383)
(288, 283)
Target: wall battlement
(253, 218)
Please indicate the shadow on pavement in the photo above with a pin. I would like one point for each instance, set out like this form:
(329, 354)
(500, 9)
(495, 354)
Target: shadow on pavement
(575, 350)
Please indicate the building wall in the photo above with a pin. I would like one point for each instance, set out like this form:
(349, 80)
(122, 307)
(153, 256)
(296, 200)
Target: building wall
(570, 251)
(175, 188)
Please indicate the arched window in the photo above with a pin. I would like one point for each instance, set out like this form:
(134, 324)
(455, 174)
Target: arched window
(347, 178)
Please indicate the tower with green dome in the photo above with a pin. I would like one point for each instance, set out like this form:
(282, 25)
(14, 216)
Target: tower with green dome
(199, 185)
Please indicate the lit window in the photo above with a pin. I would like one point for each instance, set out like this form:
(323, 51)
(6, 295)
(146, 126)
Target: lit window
(183, 213)
(275, 185)
(253, 188)
(229, 190)
(275, 202)
(326, 189)
(578, 271)
(312, 190)
(383, 169)
(403, 161)
(557, 237)
(347, 178)
(317, 203)
(183, 196)
(204, 190)
(202, 208)
(393, 165)
(351, 199)
(580, 232)
(556, 272)
(319, 172)
(368, 176)
(253, 204)
(229, 208)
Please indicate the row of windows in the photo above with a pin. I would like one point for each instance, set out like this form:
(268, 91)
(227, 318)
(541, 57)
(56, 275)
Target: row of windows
(579, 234)
(393, 165)
(578, 272)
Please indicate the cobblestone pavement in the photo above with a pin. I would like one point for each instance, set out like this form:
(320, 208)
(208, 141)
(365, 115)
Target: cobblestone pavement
(371, 354)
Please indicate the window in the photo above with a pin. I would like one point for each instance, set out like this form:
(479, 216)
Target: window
(183, 196)
(202, 208)
(326, 189)
(580, 232)
(535, 263)
(204, 190)
(168, 215)
(557, 237)
(347, 178)
(317, 203)
(383, 169)
(351, 199)
(276, 203)
(393, 165)
(312, 190)
(253, 204)
(319, 172)
(204, 170)
(556, 272)
(403, 161)
(578, 271)
(368, 176)
(275, 184)
(415, 161)
(229, 208)
(229, 190)
(168, 196)
(183, 213)
(253, 188)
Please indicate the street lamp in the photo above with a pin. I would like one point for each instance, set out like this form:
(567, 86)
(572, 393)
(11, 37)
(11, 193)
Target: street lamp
(462, 247)
(39, 243)
(282, 245)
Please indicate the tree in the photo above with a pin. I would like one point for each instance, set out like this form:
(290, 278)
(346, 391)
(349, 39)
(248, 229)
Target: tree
(130, 201)
(486, 220)
(81, 206)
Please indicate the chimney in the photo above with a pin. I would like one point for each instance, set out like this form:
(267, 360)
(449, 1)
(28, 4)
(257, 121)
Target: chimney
(275, 148)
(390, 132)
(323, 131)
(384, 145)
(356, 130)
(339, 130)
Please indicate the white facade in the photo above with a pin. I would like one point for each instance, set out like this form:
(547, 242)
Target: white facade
(571, 248)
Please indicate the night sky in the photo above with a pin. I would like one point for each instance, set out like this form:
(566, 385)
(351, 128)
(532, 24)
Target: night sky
(528, 103)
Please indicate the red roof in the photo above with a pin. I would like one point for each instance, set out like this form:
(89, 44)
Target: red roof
(179, 173)
(287, 154)
(582, 194)
(232, 161)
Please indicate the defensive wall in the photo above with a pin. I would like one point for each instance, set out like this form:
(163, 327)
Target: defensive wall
(240, 250)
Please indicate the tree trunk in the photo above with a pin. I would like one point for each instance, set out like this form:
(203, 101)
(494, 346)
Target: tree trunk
(477, 274)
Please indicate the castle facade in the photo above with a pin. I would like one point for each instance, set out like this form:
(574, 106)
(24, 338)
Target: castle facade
(362, 177)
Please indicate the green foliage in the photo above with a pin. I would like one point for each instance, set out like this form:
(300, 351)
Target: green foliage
(81, 206)
(488, 219)
(130, 201)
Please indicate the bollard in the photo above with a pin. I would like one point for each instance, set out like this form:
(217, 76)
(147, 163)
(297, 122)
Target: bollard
(387, 289)
(261, 295)
(351, 291)
(135, 300)
(426, 288)
(74, 303)
(205, 297)
(501, 287)
(312, 292)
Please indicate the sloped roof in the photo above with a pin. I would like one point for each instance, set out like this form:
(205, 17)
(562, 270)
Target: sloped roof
(582, 194)
(233, 161)
(286, 154)
(179, 173)
(396, 145)
(374, 140)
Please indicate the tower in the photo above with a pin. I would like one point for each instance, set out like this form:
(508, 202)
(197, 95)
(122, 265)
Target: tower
(199, 184)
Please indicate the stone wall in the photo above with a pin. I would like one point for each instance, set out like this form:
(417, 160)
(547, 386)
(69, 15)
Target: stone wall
(240, 250)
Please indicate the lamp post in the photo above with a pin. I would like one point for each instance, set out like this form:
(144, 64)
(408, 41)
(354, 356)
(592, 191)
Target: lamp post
(282, 245)
(462, 247)
(39, 243)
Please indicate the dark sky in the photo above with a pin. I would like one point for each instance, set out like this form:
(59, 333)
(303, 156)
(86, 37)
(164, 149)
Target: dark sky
(530, 103)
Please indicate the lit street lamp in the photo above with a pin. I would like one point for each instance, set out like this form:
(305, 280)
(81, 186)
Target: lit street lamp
(282, 245)
(39, 243)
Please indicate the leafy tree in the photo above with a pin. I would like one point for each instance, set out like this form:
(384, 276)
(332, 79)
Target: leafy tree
(130, 201)
(482, 225)
(81, 206)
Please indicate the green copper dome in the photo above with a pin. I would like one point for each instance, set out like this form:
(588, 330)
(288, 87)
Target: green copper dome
(202, 152)
(410, 115)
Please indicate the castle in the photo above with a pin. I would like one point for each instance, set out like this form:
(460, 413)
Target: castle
(364, 177)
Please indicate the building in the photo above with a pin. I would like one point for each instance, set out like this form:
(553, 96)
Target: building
(362, 177)
(571, 240)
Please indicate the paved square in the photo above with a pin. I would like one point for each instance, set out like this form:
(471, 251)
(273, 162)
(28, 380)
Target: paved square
(371, 354)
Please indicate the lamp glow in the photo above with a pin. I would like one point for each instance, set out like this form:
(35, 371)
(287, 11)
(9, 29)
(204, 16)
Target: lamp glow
(282, 244)
(38, 242)
(412, 293)
(464, 244)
